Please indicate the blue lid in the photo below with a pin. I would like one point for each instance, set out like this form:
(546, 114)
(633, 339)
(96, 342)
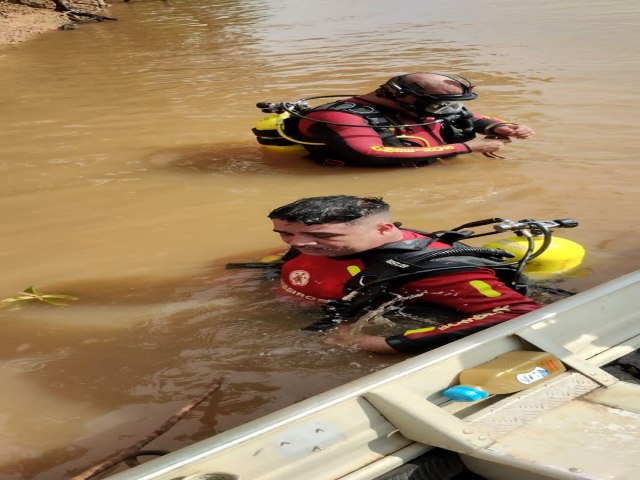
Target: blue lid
(462, 393)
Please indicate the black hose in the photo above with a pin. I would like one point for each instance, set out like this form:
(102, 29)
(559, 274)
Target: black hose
(545, 242)
(132, 460)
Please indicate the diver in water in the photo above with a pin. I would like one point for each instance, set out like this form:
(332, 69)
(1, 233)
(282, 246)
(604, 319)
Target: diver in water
(411, 120)
(341, 243)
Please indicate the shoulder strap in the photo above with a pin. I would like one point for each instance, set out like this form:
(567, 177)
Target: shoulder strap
(394, 268)
(373, 116)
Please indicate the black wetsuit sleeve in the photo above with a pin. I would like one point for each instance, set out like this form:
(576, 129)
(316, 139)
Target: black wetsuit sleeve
(479, 124)
(402, 344)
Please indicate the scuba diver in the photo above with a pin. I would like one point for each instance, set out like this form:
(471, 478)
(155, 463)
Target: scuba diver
(411, 120)
(347, 253)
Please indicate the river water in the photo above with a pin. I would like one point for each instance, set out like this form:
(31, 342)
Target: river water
(130, 177)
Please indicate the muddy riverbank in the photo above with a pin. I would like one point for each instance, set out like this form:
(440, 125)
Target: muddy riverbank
(22, 22)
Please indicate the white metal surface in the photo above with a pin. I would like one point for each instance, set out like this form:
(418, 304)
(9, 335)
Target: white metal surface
(583, 438)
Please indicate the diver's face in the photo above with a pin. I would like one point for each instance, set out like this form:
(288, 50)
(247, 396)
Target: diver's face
(431, 103)
(335, 239)
(434, 94)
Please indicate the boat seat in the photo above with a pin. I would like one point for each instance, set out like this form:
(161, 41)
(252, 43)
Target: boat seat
(563, 428)
(555, 439)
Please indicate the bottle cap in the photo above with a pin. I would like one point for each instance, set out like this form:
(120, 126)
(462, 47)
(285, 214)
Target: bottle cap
(463, 393)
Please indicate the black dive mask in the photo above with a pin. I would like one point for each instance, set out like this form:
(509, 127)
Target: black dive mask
(398, 86)
(427, 108)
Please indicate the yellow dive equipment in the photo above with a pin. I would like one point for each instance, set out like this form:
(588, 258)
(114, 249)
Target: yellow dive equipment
(560, 256)
(271, 258)
(270, 134)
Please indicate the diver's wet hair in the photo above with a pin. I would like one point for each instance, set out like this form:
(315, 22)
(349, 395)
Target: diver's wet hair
(330, 209)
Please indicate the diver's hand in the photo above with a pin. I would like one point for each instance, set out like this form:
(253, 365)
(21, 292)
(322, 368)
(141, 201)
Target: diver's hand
(486, 145)
(514, 130)
(342, 336)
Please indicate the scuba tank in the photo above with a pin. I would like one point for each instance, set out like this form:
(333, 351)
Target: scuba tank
(545, 256)
(270, 131)
(561, 256)
(267, 132)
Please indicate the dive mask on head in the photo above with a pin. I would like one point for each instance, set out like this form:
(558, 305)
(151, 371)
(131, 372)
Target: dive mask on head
(398, 86)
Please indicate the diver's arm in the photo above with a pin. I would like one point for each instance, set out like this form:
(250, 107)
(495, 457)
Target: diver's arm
(423, 340)
(343, 337)
(478, 293)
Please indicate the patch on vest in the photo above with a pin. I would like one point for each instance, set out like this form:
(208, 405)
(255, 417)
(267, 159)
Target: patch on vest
(299, 278)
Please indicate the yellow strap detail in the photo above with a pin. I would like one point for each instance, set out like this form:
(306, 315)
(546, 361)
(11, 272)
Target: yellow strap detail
(419, 330)
(484, 288)
(353, 270)
(270, 258)
(442, 148)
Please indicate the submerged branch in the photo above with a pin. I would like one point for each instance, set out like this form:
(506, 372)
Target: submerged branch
(134, 450)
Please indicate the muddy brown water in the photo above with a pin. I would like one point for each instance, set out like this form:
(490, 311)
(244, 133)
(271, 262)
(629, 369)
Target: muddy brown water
(130, 177)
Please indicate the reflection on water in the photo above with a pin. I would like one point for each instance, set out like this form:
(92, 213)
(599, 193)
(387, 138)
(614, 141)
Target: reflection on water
(130, 176)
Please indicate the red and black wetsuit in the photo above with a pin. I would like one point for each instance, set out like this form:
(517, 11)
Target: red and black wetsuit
(478, 293)
(364, 145)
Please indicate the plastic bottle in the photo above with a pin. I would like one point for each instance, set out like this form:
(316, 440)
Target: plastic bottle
(508, 373)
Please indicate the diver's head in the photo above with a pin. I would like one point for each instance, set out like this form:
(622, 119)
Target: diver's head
(428, 92)
(335, 225)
